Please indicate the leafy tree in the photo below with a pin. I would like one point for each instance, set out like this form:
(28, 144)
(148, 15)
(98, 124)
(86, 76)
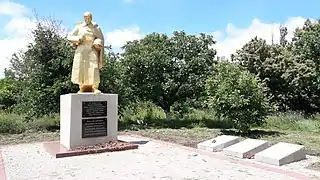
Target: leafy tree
(303, 73)
(44, 68)
(112, 78)
(165, 70)
(290, 70)
(283, 34)
(268, 62)
(237, 95)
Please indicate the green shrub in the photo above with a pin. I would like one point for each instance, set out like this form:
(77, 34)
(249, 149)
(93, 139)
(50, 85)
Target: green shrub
(12, 123)
(8, 88)
(237, 95)
(140, 115)
(46, 123)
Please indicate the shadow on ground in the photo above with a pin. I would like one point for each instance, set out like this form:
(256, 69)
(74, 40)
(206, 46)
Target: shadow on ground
(139, 142)
(254, 134)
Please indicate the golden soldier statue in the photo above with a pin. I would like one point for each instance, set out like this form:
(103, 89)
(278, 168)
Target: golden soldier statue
(87, 39)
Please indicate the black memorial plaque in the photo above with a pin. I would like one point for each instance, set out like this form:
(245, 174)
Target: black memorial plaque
(94, 127)
(94, 109)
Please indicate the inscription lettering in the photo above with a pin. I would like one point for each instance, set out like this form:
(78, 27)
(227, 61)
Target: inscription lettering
(94, 109)
(94, 127)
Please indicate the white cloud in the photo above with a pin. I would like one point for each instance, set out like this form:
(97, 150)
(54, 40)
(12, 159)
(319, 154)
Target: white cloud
(12, 9)
(15, 31)
(234, 38)
(119, 37)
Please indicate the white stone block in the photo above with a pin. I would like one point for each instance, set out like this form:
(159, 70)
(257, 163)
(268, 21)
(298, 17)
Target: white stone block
(218, 143)
(281, 153)
(245, 148)
(101, 114)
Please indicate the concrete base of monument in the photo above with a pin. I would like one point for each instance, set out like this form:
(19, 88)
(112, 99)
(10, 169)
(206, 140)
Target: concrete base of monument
(246, 148)
(218, 143)
(281, 154)
(87, 119)
(59, 151)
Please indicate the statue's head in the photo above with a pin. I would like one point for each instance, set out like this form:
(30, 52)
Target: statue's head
(87, 17)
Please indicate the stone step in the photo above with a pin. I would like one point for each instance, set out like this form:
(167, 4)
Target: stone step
(281, 153)
(246, 148)
(218, 143)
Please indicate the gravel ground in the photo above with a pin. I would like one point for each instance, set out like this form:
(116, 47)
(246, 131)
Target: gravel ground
(152, 160)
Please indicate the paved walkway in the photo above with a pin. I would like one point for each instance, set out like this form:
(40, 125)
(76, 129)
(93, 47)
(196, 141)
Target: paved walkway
(153, 160)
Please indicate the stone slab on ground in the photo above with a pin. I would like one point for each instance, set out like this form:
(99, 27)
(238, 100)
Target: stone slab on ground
(281, 153)
(218, 143)
(246, 148)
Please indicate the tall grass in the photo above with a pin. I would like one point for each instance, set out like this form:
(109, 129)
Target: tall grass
(147, 115)
(11, 123)
(293, 122)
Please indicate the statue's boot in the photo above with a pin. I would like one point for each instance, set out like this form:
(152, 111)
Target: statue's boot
(81, 89)
(95, 89)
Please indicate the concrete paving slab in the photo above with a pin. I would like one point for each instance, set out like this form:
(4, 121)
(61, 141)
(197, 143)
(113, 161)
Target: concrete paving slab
(246, 148)
(218, 143)
(281, 153)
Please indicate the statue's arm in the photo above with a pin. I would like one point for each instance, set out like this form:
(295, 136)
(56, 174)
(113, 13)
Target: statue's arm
(100, 35)
(74, 35)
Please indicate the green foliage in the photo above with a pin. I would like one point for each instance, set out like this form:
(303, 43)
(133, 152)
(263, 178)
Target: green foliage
(144, 115)
(165, 70)
(293, 121)
(8, 91)
(11, 123)
(112, 78)
(237, 95)
(303, 73)
(45, 123)
(266, 62)
(290, 70)
(44, 70)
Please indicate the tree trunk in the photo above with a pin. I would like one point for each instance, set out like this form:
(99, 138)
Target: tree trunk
(168, 114)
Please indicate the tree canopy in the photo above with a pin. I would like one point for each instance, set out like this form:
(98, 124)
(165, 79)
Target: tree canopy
(165, 69)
